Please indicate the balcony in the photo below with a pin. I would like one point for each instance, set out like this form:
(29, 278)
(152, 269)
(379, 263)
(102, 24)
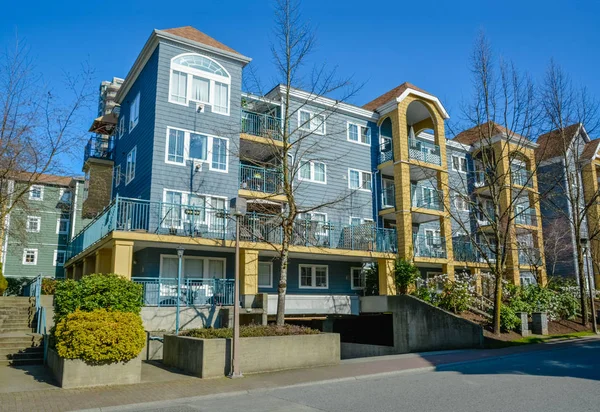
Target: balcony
(522, 177)
(529, 256)
(385, 151)
(194, 291)
(262, 125)
(124, 214)
(260, 179)
(525, 217)
(388, 197)
(466, 251)
(429, 198)
(429, 246)
(424, 152)
(99, 148)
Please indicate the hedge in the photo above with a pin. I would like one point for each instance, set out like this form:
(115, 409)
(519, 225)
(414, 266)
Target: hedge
(249, 331)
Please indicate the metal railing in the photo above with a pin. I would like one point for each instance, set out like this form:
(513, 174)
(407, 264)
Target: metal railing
(529, 256)
(429, 246)
(176, 219)
(521, 177)
(194, 291)
(526, 217)
(466, 251)
(260, 179)
(35, 291)
(258, 124)
(99, 148)
(424, 151)
(385, 151)
(433, 200)
(388, 197)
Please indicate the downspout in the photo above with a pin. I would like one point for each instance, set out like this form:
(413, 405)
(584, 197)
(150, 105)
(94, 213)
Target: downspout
(74, 203)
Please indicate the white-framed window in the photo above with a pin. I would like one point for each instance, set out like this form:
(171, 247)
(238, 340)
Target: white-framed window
(459, 164)
(121, 130)
(183, 145)
(312, 171)
(134, 112)
(117, 175)
(30, 256)
(36, 192)
(200, 79)
(193, 211)
(311, 122)
(433, 237)
(196, 267)
(359, 134)
(59, 257)
(265, 274)
(313, 276)
(33, 224)
(64, 195)
(357, 278)
(130, 166)
(62, 226)
(461, 203)
(360, 180)
(356, 221)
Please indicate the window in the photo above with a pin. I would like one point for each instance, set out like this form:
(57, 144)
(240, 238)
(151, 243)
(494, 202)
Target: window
(359, 134)
(357, 278)
(130, 167)
(30, 256)
(196, 267)
(194, 212)
(134, 113)
(314, 277)
(36, 192)
(184, 145)
(265, 274)
(64, 195)
(358, 179)
(59, 257)
(117, 175)
(313, 172)
(461, 203)
(33, 224)
(432, 237)
(121, 126)
(62, 226)
(356, 221)
(199, 79)
(311, 122)
(459, 164)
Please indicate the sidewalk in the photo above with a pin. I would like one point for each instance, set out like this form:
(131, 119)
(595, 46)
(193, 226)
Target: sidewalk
(182, 386)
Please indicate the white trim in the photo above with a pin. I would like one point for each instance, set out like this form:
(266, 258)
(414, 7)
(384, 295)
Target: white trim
(75, 209)
(63, 252)
(121, 125)
(41, 187)
(205, 265)
(185, 202)
(352, 269)
(134, 109)
(270, 285)
(312, 172)
(35, 257)
(117, 175)
(310, 128)
(360, 179)
(358, 127)
(393, 104)
(39, 224)
(210, 139)
(130, 173)
(58, 222)
(313, 276)
(459, 163)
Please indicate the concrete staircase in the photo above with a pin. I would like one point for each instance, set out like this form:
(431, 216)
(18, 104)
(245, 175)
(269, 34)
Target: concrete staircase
(18, 344)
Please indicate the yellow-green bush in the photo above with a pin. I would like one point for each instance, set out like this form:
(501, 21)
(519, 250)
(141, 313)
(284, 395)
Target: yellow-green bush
(3, 282)
(100, 336)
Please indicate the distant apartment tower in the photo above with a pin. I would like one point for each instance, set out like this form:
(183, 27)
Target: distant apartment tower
(108, 93)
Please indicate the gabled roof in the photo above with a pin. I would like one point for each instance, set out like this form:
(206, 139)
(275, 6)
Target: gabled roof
(551, 144)
(43, 179)
(590, 149)
(390, 95)
(474, 134)
(191, 33)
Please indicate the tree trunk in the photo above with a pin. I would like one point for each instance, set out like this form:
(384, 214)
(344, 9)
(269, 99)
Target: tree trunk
(282, 287)
(497, 303)
(582, 288)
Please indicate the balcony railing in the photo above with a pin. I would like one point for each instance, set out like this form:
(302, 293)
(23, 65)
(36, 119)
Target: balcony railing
(529, 256)
(429, 246)
(194, 291)
(525, 217)
(522, 177)
(388, 197)
(99, 148)
(466, 251)
(263, 125)
(429, 199)
(424, 151)
(175, 219)
(260, 179)
(385, 151)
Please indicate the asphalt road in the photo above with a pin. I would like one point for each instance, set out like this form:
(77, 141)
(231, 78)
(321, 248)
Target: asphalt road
(565, 380)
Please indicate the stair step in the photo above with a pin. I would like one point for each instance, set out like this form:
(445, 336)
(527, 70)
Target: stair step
(22, 362)
(20, 344)
(15, 322)
(10, 330)
(20, 349)
(22, 355)
(27, 336)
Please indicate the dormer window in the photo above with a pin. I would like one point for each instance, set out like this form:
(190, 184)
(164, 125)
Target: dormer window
(200, 79)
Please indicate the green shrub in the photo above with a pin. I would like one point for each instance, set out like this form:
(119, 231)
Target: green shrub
(250, 331)
(48, 286)
(111, 292)
(508, 319)
(3, 282)
(426, 294)
(456, 296)
(100, 336)
(405, 274)
(15, 286)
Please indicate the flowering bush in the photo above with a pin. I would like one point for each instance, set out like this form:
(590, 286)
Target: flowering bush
(452, 295)
(250, 331)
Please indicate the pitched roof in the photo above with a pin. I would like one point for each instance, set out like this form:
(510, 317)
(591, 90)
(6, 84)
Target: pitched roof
(390, 95)
(44, 179)
(590, 149)
(478, 132)
(551, 144)
(191, 33)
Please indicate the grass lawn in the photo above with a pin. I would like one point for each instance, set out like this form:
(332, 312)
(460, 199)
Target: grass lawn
(492, 343)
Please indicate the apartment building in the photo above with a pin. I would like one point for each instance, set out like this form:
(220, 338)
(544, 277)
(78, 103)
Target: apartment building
(373, 180)
(37, 230)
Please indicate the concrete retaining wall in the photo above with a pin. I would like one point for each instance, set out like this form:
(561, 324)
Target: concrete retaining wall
(210, 358)
(74, 373)
(360, 350)
(163, 318)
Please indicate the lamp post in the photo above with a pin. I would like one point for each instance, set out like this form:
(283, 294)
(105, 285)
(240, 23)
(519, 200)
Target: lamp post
(589, 279)
(180, 250)
(237, 205)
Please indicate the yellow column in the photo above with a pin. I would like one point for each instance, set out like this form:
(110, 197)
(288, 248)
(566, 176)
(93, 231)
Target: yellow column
(78, 270)
(387, 279)
(89, 264)
(590, 188)
(248, 272)
(69, 272)
(476, 273)
(103, 260)
(122, 258)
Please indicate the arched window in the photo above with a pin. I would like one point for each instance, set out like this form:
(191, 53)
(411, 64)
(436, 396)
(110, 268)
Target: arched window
(199, 79)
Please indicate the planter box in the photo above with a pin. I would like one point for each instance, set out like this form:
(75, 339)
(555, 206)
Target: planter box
(75, 373)
(211, 358)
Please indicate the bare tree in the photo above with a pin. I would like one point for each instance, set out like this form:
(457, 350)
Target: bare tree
(557, 245)
(37, 127)
(570, 114)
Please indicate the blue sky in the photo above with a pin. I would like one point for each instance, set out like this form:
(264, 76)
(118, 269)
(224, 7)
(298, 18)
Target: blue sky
(425, 43)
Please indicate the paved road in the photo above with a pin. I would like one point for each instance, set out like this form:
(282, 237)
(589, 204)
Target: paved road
(565, 380)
